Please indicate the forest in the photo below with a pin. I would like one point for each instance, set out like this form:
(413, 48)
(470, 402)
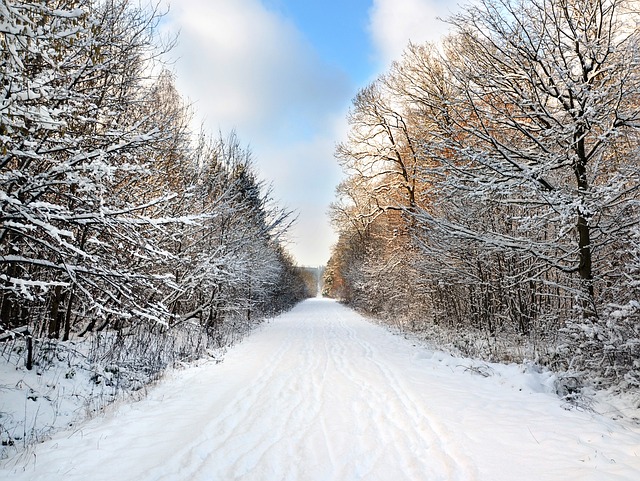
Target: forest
(491, 197)
(118, 223)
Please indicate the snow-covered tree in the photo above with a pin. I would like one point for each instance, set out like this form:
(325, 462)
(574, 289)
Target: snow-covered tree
(523, 129)
(547, 105)
(111, 215)
(72, 82)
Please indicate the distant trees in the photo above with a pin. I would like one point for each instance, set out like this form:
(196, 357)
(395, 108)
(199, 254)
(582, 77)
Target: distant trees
(111, 215)
(523, 128)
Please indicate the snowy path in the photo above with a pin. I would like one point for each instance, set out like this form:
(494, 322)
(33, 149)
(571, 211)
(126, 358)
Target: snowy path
(321, 394)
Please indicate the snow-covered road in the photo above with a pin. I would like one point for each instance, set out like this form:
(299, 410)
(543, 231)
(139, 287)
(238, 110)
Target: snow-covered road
(321, 394)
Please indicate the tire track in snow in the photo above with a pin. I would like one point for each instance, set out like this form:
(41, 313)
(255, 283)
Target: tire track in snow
(218, 432)
(399, 417)
(422, 426)
(297, 408)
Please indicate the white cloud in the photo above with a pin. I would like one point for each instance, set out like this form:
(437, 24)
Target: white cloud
(393, 23)
(250, 69)
(304, 175)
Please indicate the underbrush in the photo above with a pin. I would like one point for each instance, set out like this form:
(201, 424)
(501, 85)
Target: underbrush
(578, 388)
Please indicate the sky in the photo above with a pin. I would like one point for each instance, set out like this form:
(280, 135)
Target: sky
(282, 74)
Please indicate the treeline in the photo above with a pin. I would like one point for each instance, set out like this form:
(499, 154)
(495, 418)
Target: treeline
(112, 217)
(493, 187)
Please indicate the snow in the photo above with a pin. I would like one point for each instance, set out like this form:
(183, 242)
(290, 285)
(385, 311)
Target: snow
(36, 403)
(320, 393)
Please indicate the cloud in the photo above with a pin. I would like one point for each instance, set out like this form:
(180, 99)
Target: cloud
(250, 69)
(247, 68)
(393, 23)
(304, 174)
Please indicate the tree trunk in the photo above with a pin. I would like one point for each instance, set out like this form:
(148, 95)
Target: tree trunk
(54, 324)
(585, 269)
(9, 306)
(67, 317)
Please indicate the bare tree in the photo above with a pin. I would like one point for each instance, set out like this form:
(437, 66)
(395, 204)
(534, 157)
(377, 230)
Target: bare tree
(522, 132)
(547, 102)
(112, 216)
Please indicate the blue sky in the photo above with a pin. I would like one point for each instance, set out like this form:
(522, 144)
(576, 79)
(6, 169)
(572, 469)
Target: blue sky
(282, 74)
(336, 29)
